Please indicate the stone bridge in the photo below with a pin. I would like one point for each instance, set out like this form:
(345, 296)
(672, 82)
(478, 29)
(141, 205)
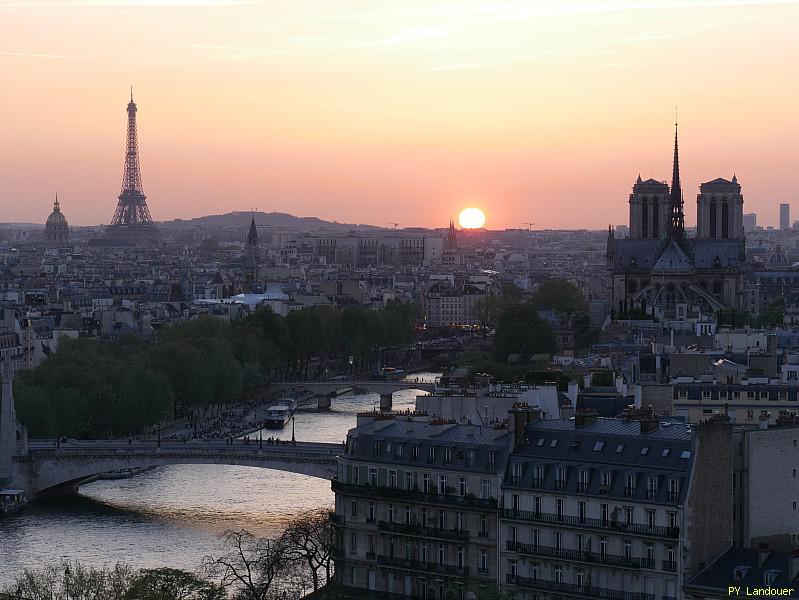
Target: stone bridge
(328, 389)
(51, 468)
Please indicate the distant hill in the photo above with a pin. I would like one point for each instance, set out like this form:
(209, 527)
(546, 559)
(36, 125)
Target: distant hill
(241, 220)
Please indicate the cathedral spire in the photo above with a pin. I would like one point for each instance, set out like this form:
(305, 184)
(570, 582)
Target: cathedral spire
(677, 224)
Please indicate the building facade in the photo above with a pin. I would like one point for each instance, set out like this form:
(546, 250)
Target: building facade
(416, 507)
(660, 270)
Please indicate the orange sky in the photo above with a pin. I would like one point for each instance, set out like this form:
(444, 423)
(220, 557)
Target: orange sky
(406, 111)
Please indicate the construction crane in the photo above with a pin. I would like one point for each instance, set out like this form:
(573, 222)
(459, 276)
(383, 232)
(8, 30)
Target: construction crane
(529, 225)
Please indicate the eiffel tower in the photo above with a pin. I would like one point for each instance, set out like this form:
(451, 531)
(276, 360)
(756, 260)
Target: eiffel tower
(132, 215)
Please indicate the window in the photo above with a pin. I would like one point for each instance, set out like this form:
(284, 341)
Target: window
(441, 553)
(673, 520)
(535, 537)
(442, 519)
(674, 490)
(426, 483)
(461, 486)
(378, 448)
(398, 450)
(355, 472)
(628, 515)
(598, 446)
(560, 478)
(516, 473)
(557, 538)
(392, 478)
(666, 452)
(492, 459)
(604, 509)
(423, 552)
(483, 526)
(459, 521)
(650, 519)
(651, 487)
(628, 549)
(558, 574)
(582, 481)
(483, 560)
(512, 534)
(538, 476)
(629, 487)
(410, 480)
(442, 484)
(540, 442)
(415, 452)
(537, 501)
(372, 476)
(619, 448)
(447, 456)
(559, 507)
(408, 518)
(470, 456)
(603, 547)
(353, 542)
(553, 443)
(685, 454)
(354, 509)
(485, 489)
(390, 513)
(581, 510)
(432, 453)
(370, 513)
(644, 450)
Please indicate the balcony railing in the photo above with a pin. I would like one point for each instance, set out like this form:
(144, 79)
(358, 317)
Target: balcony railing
(538, 482)
(420, 531)
(586, 591)
(670, 565)
(629, 528)
(582, 556)
(415, 495)
(418, 565)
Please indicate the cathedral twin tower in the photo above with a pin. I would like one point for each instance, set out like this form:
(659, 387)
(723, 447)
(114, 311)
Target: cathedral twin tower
(719, 209)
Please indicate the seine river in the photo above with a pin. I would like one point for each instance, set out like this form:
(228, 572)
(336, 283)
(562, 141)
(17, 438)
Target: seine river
(173, 516)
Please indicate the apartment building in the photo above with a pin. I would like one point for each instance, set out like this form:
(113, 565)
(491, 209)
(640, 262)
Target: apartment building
(746, 403)
(416, 507)
(621, 509)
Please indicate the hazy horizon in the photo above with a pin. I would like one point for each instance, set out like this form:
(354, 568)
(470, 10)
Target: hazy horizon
(395, 111)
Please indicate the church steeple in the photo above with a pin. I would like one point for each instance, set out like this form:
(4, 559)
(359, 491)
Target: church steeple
(252, 235)
(451, 242)
(677, 224)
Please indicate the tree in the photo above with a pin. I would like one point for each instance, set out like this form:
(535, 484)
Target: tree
(559, 295)
(72, 581)
(171, 584)
(251, 566)
(487, 312)
(309, 540)
(520, 330)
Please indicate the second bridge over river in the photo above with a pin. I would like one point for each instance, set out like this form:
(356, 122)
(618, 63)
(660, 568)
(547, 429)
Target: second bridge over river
(328, 389)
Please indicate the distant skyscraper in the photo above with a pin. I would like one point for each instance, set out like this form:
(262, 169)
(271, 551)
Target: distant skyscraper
(750, 222)
(785, 216)
(132, 217)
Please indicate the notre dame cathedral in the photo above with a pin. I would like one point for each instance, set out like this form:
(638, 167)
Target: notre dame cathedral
(661, 270)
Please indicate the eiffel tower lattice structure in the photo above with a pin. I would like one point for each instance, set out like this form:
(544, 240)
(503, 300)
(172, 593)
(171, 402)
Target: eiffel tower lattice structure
(132, 211)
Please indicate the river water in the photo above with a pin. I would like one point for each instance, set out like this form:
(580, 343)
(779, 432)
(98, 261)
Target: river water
(173, 516)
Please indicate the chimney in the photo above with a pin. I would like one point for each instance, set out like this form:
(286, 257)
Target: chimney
(583, 417)
(520, 415)
(647, 417)
(764, 420)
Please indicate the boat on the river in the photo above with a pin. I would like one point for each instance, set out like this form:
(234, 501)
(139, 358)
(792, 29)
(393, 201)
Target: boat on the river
(278, 415)
(12, 501)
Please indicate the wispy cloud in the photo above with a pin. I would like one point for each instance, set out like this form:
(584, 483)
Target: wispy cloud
(124, 3)
(238, 49)
(40, 55)
(413, 35)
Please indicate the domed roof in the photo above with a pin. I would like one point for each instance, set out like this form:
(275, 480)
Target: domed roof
(56, 220)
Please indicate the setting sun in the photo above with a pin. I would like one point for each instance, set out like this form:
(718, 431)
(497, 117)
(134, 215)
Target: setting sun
(472, 218)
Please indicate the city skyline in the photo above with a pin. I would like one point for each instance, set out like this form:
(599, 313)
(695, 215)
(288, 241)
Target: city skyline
(414, 112)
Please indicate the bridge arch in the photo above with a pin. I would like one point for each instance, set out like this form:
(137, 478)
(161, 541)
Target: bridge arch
(42, 472)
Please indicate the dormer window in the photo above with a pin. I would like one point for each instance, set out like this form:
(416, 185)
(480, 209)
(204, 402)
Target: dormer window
(432, 453)
(492, 459)
(540, 442)
(415, 452)
(378, 448)
(553, 443)
(447, 456)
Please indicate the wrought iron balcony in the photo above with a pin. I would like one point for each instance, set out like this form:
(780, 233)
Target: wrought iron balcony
(601, 524)
(418, 565)
(670, 565)
(573, 589)
(581, 556)
(421, 531)
(413, 495)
